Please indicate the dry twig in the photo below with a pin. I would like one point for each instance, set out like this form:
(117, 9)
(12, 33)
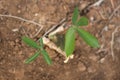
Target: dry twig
(59, 29)
(112, 42)
(114, 12)
(54, 27)
(112, 3)
(98, 3)
(28, 21)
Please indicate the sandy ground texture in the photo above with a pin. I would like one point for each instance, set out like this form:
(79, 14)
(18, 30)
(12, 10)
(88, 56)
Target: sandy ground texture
(88, 63)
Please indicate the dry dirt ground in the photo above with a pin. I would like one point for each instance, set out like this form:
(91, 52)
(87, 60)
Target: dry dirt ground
(88, 63)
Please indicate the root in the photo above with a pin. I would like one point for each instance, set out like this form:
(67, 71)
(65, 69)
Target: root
(68, 58)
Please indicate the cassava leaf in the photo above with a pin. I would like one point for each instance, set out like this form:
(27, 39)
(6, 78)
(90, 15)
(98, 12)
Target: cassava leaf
(83, 21)
(30, 42)
(70, 41)
(75, 16)
(46, 57)
(88, 38)
(33, 57)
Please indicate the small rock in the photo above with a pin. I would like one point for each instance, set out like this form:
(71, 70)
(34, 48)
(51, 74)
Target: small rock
(12, 43)
(17, 40)
(20, 52)
(15, 30)
(19, 11)
(102, 60)
(16, 48)
(111, 26)
(91, 69)
(36, 14)
(93, 57)
(81, 67)
(105, 28)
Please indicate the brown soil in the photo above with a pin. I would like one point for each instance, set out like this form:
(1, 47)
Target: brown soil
(88, 63)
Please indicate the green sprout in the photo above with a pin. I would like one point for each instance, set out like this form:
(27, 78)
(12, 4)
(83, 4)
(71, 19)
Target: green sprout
(75, 28)
(69, 39)
(40, 50)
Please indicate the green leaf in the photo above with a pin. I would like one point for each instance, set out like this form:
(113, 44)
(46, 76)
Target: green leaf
(33, 57)
(30, 42)
(46, 57)
(70, 41)
(88, 38)
(83, 21)
(75, 16)
(41, 42)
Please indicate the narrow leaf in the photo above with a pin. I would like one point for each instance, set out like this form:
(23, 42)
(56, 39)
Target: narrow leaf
(41, 42)
(33, 57)
(70, 41)
(75, 16)
(46, 57)
(83, 21)
(88, 38)
(30, 42)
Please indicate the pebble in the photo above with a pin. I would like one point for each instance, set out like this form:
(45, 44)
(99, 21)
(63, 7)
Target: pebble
(20, 52)
(17, 40)
(81, 67)
(93, 57)
(36, 14)
(16, 48)
(91, 69)
(110, 26)
(12, 43)
(102, 60)
(19, 11)
(15, 30)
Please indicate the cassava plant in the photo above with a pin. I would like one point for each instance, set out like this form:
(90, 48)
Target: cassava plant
(69, 39)
(76, 28)
(40, 50)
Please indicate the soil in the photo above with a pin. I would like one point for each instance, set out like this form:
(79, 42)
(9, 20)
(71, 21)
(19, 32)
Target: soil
(88, 63)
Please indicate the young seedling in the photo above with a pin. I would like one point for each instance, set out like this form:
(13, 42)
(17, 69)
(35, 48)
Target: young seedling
(40, 49)
(75, 28)
(69, 39)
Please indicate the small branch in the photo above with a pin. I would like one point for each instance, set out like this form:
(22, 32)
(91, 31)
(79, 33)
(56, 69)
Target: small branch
(54, 27)
(101, 49)
(112, 42)
(102, 16)
(112, 3)
(59, 29)
(114, 12)
(28, 21)
(98, 3)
